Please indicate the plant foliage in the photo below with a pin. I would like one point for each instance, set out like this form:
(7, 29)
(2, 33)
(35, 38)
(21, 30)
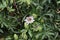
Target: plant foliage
(46, 14)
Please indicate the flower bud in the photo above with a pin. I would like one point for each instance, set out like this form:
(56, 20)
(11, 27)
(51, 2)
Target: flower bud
(15, 36)
(34, 15)
(26, 25)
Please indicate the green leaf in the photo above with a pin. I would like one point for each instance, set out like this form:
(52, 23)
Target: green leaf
(30, 33)
(4, 3)
(58, 2)
(11, 1)
(1, 31)
(24, 36)
(10, 9)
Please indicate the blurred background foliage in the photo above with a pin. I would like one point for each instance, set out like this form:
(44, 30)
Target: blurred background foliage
(46, 14)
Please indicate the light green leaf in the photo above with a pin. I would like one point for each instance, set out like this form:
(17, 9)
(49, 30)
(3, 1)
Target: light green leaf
(30, 33)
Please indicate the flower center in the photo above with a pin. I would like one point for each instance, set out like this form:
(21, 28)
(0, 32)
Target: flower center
(29, 19)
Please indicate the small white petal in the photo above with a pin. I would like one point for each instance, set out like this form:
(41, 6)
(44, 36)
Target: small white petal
(25, 20)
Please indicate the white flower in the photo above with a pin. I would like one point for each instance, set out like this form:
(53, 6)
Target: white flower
(29, 19)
